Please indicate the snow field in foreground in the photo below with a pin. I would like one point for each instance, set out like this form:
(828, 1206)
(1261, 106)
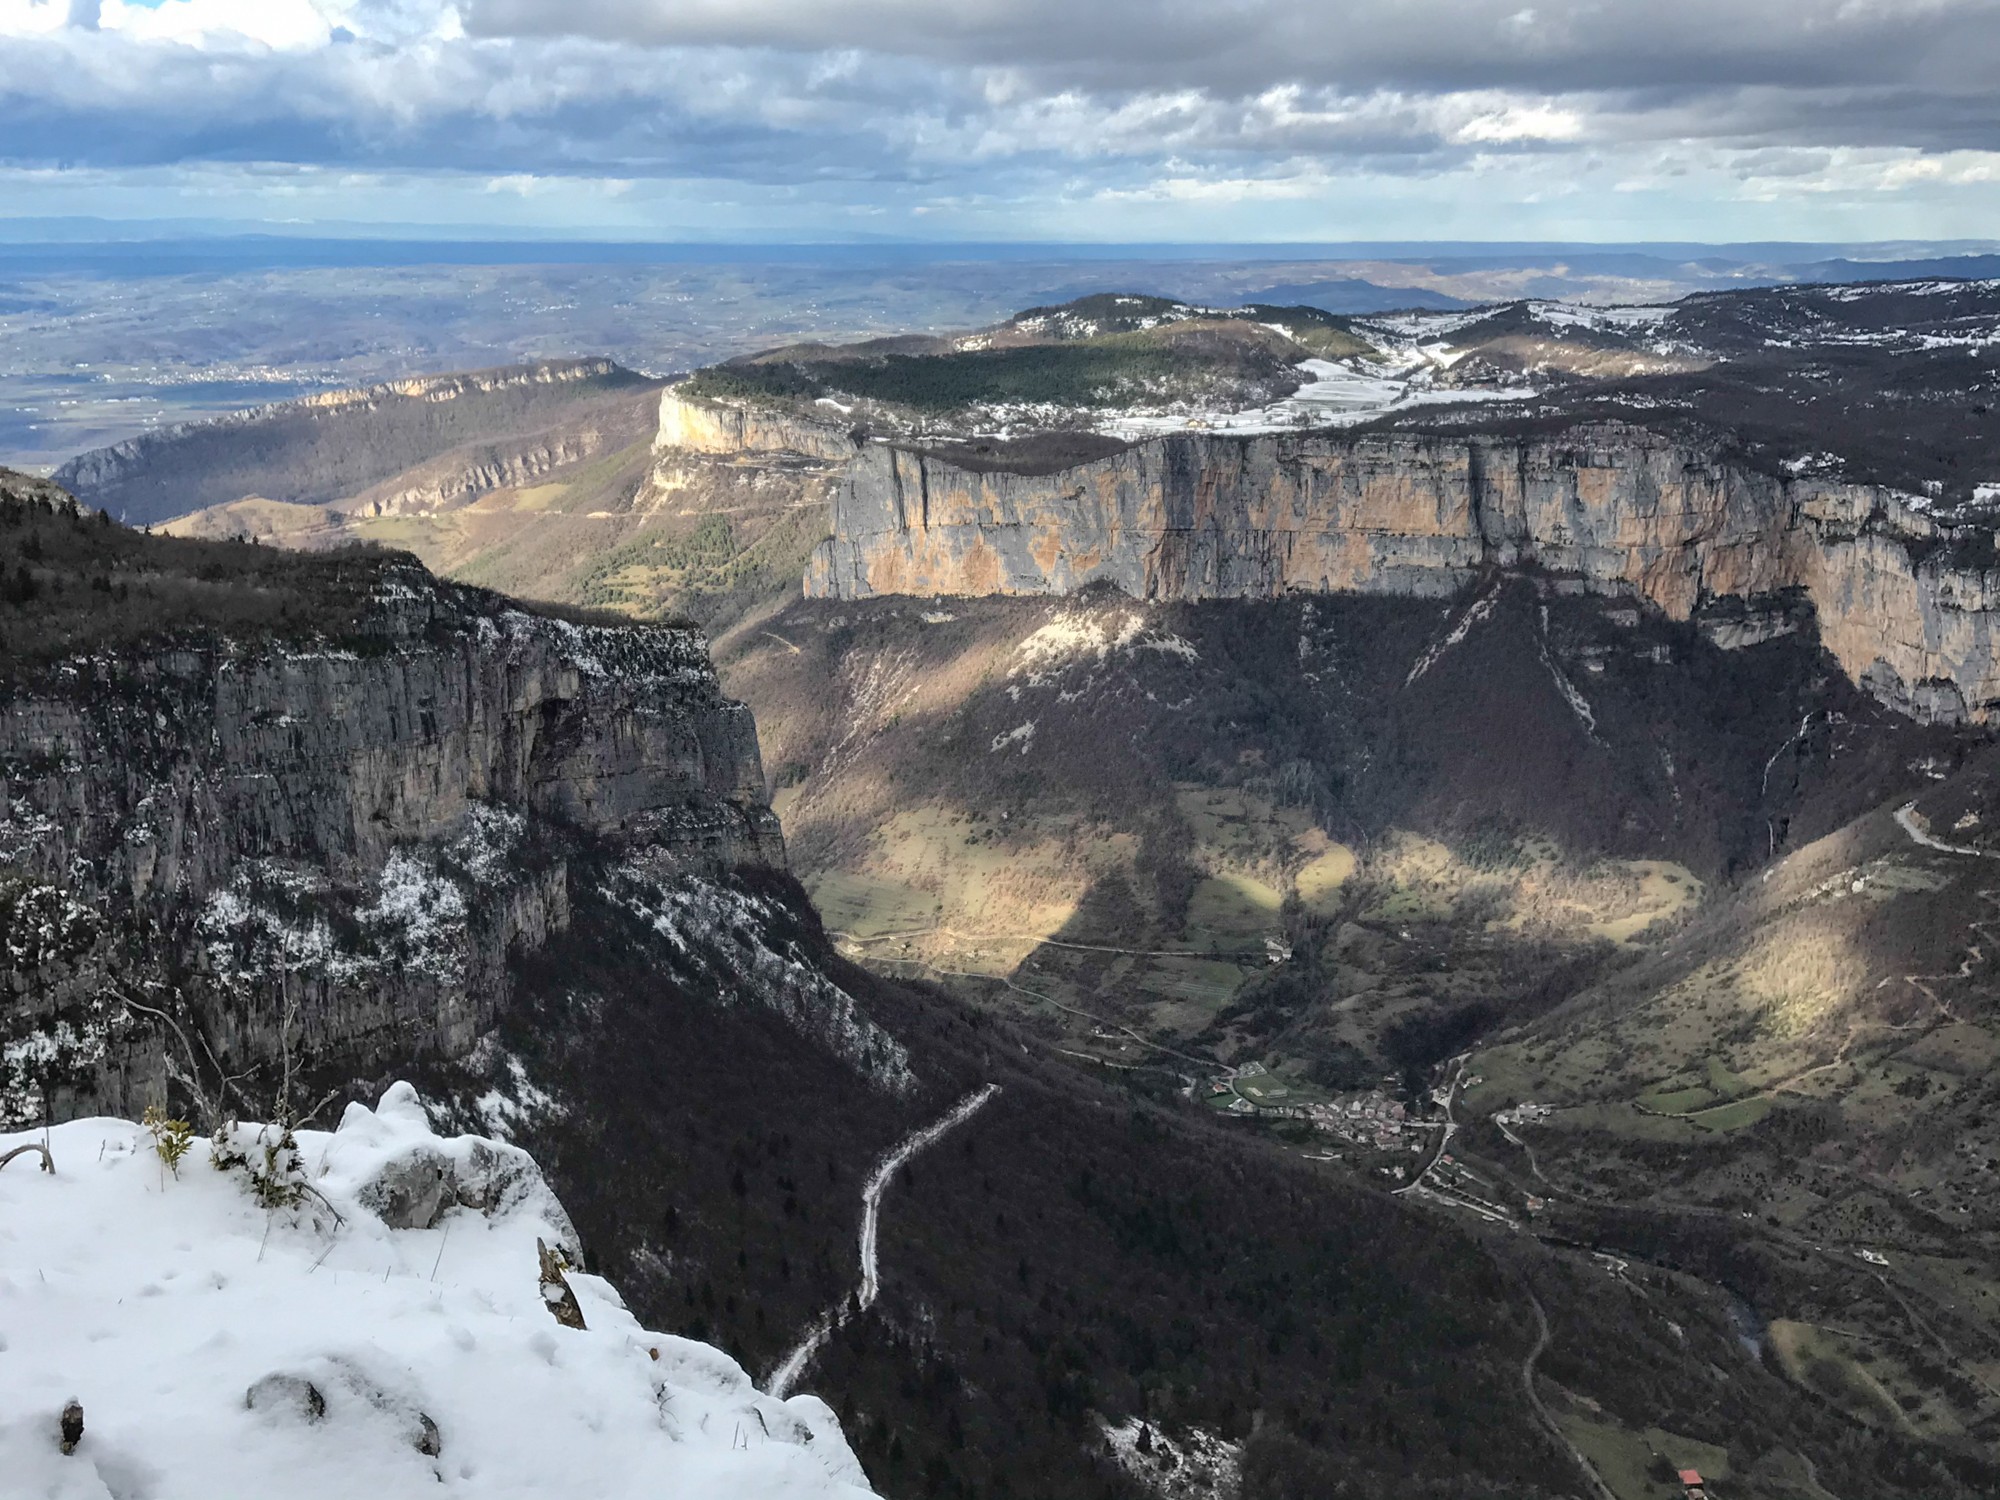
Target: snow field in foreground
(158, 1300)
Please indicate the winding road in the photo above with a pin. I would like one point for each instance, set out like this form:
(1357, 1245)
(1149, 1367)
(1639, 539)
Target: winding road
(1906, 819)
(1542, 1412)
(1452, 1086)
(794, 1364)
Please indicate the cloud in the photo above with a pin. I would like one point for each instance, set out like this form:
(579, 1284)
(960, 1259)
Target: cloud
(211, 24)
(897, 105)
(1243, 46)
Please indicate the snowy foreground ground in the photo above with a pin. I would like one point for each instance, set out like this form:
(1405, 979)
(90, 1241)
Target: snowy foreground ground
(158, 1300)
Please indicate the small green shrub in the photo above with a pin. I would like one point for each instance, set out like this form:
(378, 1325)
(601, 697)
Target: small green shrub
(171, 1138)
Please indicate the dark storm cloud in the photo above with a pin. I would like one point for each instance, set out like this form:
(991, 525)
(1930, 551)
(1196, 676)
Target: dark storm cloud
(1915, 71)
(1224, 100)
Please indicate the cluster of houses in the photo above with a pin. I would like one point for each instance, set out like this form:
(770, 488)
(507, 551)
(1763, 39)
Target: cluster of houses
(1372, 1119)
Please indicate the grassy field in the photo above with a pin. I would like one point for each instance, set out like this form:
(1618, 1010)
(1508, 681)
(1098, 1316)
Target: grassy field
(1321, 879)
(1232, 911)
(1719, 1085)
(866, 906)
(1826, 1362)
(1738, 1116)
(1664, 891)
(991, 897)
(1626, 1460)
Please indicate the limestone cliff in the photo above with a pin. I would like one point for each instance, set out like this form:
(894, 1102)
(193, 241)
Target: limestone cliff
(1620, 508)
(331, 447)
(334, 845)
(458, 477)
(698, 426)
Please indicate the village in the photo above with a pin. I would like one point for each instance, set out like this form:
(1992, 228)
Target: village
(1374, 1119)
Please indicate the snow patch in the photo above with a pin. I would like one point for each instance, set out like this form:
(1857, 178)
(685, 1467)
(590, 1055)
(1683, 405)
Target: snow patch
(1021, 734)
(500, 1110)
(1196, 1465)
(23, 830)
(1578, 704)
(249, 938)
(160, 1299)
(1336, 393)
(419, 912)
(719, 934)
(485, 847)
(1084, 636)
(1480, 609)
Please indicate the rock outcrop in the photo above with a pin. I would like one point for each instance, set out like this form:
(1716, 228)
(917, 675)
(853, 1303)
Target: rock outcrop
(1622, 509)
(17, 488)
(335, 846)
(698, 426)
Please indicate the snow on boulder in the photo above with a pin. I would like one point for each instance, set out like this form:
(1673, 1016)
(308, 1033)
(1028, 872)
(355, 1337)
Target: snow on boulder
(224, 1350)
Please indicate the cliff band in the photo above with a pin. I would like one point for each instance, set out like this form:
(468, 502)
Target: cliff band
(1906, 605)
(353, 833)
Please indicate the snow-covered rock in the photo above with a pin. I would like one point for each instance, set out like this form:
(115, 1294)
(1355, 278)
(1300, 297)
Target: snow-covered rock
(223, 1351)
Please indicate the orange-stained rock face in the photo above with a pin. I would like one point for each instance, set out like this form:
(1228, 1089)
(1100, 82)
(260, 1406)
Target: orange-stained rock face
(1195, 517)
(1620, 508)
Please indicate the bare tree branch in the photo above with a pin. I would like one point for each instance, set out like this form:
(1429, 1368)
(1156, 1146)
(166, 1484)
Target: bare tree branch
(48, 1161)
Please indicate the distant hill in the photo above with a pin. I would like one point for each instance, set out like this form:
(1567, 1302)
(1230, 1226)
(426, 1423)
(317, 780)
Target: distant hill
(1070, 363)
(1945, 267)
(325, 449)
(1351, 295)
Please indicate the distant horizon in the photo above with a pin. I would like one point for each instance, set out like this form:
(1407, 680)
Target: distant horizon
(41, 230)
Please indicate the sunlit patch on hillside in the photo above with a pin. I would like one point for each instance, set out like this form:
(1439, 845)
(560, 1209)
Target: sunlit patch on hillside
(1327, 868)
(1800, 975)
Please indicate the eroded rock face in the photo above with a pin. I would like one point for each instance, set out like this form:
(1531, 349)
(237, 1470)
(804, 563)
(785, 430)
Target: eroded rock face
(698, 426)
(338, 444)
(337, 847)
(1624, 509)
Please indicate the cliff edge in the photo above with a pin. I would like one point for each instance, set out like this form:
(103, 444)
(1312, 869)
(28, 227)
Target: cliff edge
(1908, 606)
(259, 807)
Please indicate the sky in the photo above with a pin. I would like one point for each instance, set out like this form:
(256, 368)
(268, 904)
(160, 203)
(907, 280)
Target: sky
(1067, 120)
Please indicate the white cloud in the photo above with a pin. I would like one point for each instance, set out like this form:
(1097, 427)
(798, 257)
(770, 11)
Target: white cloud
(1521, 122)
(282, 24)
(21, 18)
(985, 112)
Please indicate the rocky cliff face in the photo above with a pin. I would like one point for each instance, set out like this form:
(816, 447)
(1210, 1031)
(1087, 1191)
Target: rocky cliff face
(698, 426)
(106, 468)
(1619, 508)
(335, 846)
(463, 475)
(332, 447)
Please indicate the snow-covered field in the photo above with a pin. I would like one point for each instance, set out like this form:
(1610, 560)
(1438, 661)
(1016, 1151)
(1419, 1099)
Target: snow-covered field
(1337, 393)
(160, 1300)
